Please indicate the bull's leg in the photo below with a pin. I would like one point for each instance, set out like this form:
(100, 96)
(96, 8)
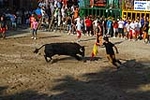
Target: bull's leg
(45, 56)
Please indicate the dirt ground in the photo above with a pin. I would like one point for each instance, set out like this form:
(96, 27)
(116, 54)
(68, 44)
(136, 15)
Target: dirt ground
(27, 76)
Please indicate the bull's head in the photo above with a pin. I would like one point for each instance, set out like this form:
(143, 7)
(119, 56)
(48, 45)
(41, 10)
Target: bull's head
(82, 51)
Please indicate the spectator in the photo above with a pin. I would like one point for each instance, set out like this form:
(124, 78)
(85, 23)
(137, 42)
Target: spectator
(145, 31)
(115, 28)
(75, 13)
(99, 34)
(127, 29)
(59, 18)
(68, 22)
(32, 18)
(137, 28)
(79, 30)
(3, 27)
(149, 33)
(52, 8)
(88, 25)
(34, 27)
(132, 30)
(13, 21)
(63, 12)
(95, 24)
(120, 28)
(38, 12)
(109, 26)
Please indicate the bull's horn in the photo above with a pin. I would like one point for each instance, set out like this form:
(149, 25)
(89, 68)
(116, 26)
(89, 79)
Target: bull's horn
(81, 50)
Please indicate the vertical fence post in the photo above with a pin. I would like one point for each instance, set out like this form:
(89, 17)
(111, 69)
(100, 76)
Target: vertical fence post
(100, 12)
(87, 11)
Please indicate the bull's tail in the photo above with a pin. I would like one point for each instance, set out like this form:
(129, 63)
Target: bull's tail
(37, 50)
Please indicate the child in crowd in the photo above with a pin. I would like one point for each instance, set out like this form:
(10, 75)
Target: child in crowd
(34, 27)
(31, 19)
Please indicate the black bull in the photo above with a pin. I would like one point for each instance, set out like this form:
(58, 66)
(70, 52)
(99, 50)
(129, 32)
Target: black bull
(68, 48)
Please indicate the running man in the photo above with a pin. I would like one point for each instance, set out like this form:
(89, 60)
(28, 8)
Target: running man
(110, 52)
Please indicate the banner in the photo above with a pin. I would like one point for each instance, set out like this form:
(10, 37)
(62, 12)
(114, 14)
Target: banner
(100, 3)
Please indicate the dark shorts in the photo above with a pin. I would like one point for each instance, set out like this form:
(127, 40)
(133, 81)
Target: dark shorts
(120, 30)
(88, 28)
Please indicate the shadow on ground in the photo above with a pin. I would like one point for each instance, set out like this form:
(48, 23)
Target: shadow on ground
(130, 82)
(46, 37)
(20, 30)
(26, 95)
(70, 59)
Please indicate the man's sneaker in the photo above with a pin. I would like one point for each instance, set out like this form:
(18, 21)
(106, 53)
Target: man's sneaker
(32, 37)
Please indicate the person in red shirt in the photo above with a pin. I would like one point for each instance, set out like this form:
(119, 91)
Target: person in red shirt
(88, 25)
(3, 27)
(115, 28)
(64, 3)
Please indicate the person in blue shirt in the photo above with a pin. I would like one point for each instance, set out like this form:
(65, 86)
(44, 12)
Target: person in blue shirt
(108, 26)
(38, 12)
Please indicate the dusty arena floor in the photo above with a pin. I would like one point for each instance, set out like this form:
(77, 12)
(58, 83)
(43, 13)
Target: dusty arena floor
(26, 76)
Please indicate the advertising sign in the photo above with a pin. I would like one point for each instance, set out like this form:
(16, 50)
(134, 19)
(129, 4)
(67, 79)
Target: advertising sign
(140, 5)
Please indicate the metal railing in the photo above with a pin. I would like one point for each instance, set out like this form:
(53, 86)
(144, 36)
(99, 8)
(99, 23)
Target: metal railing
(86, 10)
(115, 13)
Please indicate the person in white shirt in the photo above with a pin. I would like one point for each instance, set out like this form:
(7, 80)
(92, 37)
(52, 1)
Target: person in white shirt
(132, 30)
(95, 24)
(43, 11)
(78, 20)
(41, 4)
(63, 9)
(137, 28)
(55, 3)
(120, 28)
(59, 17)
(127, 29)
(52, 8)
(79, 30)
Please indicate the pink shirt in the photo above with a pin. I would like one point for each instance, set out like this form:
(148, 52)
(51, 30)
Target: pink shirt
(34, 25)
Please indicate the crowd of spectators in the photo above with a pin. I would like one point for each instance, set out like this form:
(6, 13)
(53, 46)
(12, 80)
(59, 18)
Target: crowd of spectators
(67, 17)
(60, 15)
